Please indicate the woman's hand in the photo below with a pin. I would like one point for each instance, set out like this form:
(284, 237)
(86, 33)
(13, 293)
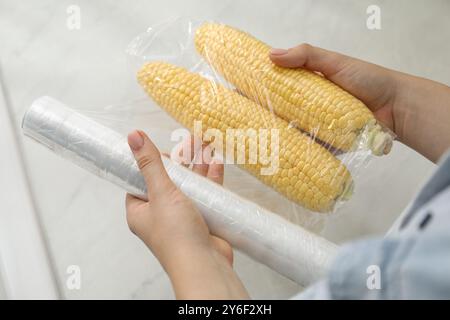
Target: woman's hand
(198, 263)
(416, 109)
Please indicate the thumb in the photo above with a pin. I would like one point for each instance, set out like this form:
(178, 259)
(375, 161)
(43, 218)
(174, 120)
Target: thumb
(312, 58)
(149, 161)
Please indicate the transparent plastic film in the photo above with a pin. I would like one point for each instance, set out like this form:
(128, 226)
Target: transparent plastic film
(285, 247)
(219, 78)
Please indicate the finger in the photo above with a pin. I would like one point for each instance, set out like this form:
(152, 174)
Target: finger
(185, 152)
(312, 58)
(149, 162)
(202, 160)
(201, 168)
(216, 172)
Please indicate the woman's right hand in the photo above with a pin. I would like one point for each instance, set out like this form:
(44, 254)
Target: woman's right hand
(417, 110)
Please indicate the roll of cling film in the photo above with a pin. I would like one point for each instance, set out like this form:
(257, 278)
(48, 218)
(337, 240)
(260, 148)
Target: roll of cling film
(263, 235)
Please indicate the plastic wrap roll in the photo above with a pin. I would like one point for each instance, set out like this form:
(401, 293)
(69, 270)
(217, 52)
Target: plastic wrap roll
(266, 237)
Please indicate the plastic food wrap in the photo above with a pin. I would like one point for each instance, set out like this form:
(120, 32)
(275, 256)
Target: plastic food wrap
(287, 248)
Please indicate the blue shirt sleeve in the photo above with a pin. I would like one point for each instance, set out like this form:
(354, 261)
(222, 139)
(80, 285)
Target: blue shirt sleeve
(411, 263)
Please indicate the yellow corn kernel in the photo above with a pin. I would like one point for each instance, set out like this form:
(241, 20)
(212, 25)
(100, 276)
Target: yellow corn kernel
(308, 100)
(188, 97)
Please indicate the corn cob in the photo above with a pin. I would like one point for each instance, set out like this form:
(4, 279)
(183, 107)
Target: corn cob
(308, 173)
(308, 100)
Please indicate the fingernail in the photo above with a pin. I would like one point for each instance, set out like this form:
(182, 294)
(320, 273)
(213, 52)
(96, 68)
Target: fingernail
(278, 52)
(135, 140)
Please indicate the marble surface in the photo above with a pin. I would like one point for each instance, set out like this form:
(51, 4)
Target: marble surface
(22, 243)
(2, 290)
(83, 216)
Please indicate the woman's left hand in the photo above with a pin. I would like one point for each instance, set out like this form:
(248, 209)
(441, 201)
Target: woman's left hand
(198, 263)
